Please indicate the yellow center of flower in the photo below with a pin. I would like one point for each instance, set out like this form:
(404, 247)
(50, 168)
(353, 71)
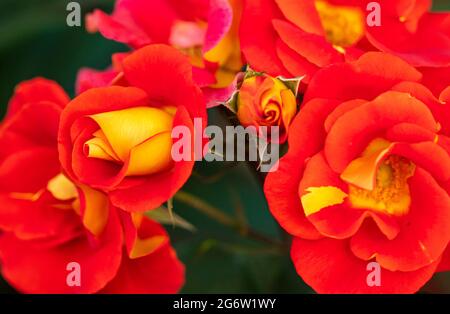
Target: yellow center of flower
(380, 184)
(139, 137)
(391, 194)
(344, 26)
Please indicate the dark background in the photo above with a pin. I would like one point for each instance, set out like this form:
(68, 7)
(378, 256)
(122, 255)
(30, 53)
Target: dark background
(35, 41)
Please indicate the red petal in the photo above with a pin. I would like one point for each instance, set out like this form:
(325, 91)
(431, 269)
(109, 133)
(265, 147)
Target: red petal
(37, 90)
(281, 190)
(328, 266)
(436, 79)
(372, 74)
(89, 78)
(220, 18)
(353, 131)
(35, 220)
(28, 170)
(166, 75)
(33, 269)
(296, 64)
(312, 47)
(426, 46)
(303, 14)
(258, 37)
(158, 272)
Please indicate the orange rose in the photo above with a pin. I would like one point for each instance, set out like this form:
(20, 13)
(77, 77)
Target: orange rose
(266, 101)
(367, 179)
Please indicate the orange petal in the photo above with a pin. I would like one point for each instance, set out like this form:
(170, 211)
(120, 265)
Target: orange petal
(94, 209)
(143, 247)
(362, 172)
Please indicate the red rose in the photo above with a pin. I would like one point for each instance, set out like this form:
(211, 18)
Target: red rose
(293, 38)
(366, 178)
(118, 138)
(48, 222)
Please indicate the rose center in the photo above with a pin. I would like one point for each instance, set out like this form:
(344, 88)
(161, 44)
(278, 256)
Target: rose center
(391, 193)
(344, 26)
(138, 138)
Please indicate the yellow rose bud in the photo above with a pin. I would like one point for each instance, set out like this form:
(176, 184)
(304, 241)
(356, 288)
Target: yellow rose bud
(139, 136)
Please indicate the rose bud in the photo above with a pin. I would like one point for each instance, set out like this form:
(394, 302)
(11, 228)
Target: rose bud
(266, 101)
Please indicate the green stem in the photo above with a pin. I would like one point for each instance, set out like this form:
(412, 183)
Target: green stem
(205, 208)
(222, 218)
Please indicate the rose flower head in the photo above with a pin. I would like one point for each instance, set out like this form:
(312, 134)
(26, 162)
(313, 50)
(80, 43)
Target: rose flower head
(265, 101)
(61, 237)
(367, 178)
(296, 38)
(118, 138)
(207, 31)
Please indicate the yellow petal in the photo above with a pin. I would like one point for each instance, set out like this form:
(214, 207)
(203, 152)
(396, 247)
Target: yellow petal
(100, 148)
(143, 247)
(96, 210)
(362, 172)
(289, 105)
(321, 197)
(127, 128)
(62, 188)
(152, 156)
(344, 25)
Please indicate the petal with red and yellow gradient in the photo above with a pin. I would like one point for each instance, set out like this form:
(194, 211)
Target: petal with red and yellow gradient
(220, 18)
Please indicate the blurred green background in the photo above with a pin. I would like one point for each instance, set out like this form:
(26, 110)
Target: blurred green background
(35, 41)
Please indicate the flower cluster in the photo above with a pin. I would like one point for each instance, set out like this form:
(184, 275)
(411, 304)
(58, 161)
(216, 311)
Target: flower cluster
(359, 92)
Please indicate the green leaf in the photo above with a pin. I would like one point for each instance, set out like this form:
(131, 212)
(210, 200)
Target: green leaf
(164, 216)
(292, 83)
